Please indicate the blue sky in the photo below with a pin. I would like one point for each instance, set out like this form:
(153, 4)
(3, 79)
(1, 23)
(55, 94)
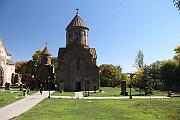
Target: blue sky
(118, 28)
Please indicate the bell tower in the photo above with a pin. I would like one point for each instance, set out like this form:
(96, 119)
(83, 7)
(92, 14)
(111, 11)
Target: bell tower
(77, 69)
(77, 33)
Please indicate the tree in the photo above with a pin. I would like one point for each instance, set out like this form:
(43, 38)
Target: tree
(154, 72)
(28, 67)
(141, 81)
(117, 76)
(36, 57)
(124, 76)
(169, 74)
(136, 78)
(177, 3)
(25, 67)
(110, 75)
(139, 61)
(177, 53)
(20, 67)
(145, 83)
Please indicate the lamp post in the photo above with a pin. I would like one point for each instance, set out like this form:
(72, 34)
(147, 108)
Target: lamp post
(88, 87)
(130, 96)
(131, 75)
(49, 86)
(85, 84)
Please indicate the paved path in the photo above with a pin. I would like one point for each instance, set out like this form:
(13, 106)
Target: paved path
(15, 109)
(79, 94)
(122, 97)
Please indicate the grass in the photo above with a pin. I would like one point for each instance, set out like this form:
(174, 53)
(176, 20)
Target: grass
(10, 96)
(57, 93)
(135, 109)
(109, 91)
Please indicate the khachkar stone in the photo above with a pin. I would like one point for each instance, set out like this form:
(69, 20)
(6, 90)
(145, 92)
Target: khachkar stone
(77, 68)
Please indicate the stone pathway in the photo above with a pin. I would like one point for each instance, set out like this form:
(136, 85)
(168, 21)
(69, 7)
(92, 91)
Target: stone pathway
(122, 97)
(79, 95)
(15, 109)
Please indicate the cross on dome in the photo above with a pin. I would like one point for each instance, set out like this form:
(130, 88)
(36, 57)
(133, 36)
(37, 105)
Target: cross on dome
(77, 9)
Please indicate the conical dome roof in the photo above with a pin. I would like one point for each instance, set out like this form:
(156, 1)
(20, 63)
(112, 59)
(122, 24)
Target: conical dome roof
(45, 51)
(76, 22)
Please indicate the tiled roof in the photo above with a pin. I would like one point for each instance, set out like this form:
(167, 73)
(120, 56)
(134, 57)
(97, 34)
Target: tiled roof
(76, 22)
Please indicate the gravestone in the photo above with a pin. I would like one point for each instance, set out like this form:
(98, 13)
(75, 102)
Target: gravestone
(61, 87)
(7, 86)
(123, 88)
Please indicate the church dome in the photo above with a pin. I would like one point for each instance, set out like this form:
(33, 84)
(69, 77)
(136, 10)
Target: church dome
(76, 22)
(45, 51)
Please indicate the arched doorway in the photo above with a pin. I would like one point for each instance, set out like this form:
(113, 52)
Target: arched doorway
(1, 76)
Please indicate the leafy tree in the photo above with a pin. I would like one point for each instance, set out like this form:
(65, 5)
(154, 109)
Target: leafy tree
(136, 78)
(124, 76)
(154, 72)
(20, 67)
(139, 61)
(28, 67)
(141, 81)
(117, 76)
(177, 53)
(36, 57)
(168, 73)
(109, 75)
(177, 3)
(25, 67)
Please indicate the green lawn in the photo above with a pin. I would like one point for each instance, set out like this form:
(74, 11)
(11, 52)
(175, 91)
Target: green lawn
(7, 97)
(10, 96)
(57, 93)
(109, 91)
(126, 109)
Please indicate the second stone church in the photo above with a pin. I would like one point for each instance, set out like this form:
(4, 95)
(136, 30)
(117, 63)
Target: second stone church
(77, 69)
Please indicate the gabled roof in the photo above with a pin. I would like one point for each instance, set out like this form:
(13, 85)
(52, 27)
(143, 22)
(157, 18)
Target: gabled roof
(76, 22)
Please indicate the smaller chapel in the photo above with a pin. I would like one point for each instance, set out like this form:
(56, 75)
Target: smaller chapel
(7, 67)
(77, 69)
(45, 70)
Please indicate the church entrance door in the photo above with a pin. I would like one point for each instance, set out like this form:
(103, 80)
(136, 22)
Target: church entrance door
(78, 86)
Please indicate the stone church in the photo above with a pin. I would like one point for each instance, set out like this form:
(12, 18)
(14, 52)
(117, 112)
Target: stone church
(45, 70)
(77, 70)
(7, 67)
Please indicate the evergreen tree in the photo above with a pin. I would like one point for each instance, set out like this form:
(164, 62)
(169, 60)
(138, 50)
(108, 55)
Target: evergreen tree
(145, 83)
(139, 61)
